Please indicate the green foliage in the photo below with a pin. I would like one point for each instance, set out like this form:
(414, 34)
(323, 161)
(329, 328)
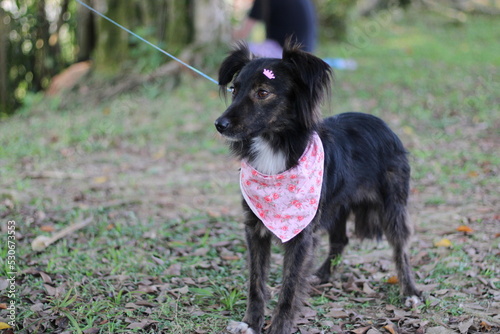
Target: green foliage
(143, 57)
(40, 44)
(333, 16)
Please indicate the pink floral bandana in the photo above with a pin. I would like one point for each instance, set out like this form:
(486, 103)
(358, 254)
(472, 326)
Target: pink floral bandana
(286, 202)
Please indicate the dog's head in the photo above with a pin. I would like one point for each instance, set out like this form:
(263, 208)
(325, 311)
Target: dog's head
(272, 95)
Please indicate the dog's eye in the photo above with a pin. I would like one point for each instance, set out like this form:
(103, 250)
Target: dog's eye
(262, 94)
(232, 90)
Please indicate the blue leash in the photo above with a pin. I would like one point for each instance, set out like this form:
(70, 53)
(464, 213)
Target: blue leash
(148, 42)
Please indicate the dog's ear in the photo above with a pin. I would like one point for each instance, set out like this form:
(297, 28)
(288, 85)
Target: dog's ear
(314, 76)
(236, 60)
(313, 71)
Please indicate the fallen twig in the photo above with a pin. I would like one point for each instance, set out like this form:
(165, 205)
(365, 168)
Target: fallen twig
(446, 11)
(54, 175)
(41, 242)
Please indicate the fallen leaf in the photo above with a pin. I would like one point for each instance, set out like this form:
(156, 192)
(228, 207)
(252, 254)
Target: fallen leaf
(440, 292)
(464, 326)
(145, 303)
(174, 270)
(138, 325)
(3, 283)
(473, 174)
(189, 281)
(368, 290)
(336, 329)
(361, 330)
(443, 243)
(184, 290)
(308, 313)
(485, 326)
(100, 179)
(350, 285)
(230, 257)
(465, 229)
(3, 325)
(202, 279)
(373, 331)
(393, 280)
(46, 278)
(400, 314)
(159, 154)
(429, 287)
(158, 260)
(47, 228)
(391, 328)
(422, 326)
(337, 314)
(3, 306)
(147, 288)
(201, 251)
(54, 292)
(131, 305)
(408, 130)
(439, 330)
(327, 323)
(200, 331)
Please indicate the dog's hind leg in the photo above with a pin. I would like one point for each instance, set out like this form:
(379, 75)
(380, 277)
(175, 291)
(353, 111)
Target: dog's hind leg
(295, 287)
(338, 240)
(398, 232)
(408, 289)
(398, 239)
(259, 249)
(396, 226)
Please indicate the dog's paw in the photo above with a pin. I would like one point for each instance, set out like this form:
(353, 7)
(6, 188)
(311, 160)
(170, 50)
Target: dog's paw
(313, 280)
(239, 328)
(413, 301)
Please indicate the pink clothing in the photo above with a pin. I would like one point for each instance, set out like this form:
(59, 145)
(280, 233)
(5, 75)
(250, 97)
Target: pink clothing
(287, 202)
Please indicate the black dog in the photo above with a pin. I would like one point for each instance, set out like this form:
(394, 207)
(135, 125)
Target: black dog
(272, 121)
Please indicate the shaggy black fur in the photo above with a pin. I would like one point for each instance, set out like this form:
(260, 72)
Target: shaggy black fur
(366, 173)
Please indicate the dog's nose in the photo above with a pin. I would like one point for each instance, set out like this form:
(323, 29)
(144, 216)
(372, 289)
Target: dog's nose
(221, 124)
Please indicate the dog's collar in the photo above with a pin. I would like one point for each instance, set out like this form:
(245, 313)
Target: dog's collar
(286, 202)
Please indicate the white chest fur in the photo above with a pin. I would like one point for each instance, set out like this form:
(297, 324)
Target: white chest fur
(266, 160)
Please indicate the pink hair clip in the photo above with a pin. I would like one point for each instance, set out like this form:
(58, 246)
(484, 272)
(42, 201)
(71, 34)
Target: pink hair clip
(269, 74)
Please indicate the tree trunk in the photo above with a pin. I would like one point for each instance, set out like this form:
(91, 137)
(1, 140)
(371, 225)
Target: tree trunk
(112, 44)
(179, 26)
(85, 32)
(42, 72)
(4, 31)
(211, 22)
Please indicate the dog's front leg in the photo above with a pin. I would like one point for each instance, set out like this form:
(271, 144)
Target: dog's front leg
(259, 249)
(296, 267)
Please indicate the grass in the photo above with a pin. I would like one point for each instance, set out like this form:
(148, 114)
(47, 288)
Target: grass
(165, 252)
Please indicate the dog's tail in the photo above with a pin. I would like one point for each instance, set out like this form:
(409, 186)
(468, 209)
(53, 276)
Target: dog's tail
(388, 214)
(367, 222)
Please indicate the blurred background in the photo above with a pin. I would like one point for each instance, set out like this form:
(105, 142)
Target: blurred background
(42, 38)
